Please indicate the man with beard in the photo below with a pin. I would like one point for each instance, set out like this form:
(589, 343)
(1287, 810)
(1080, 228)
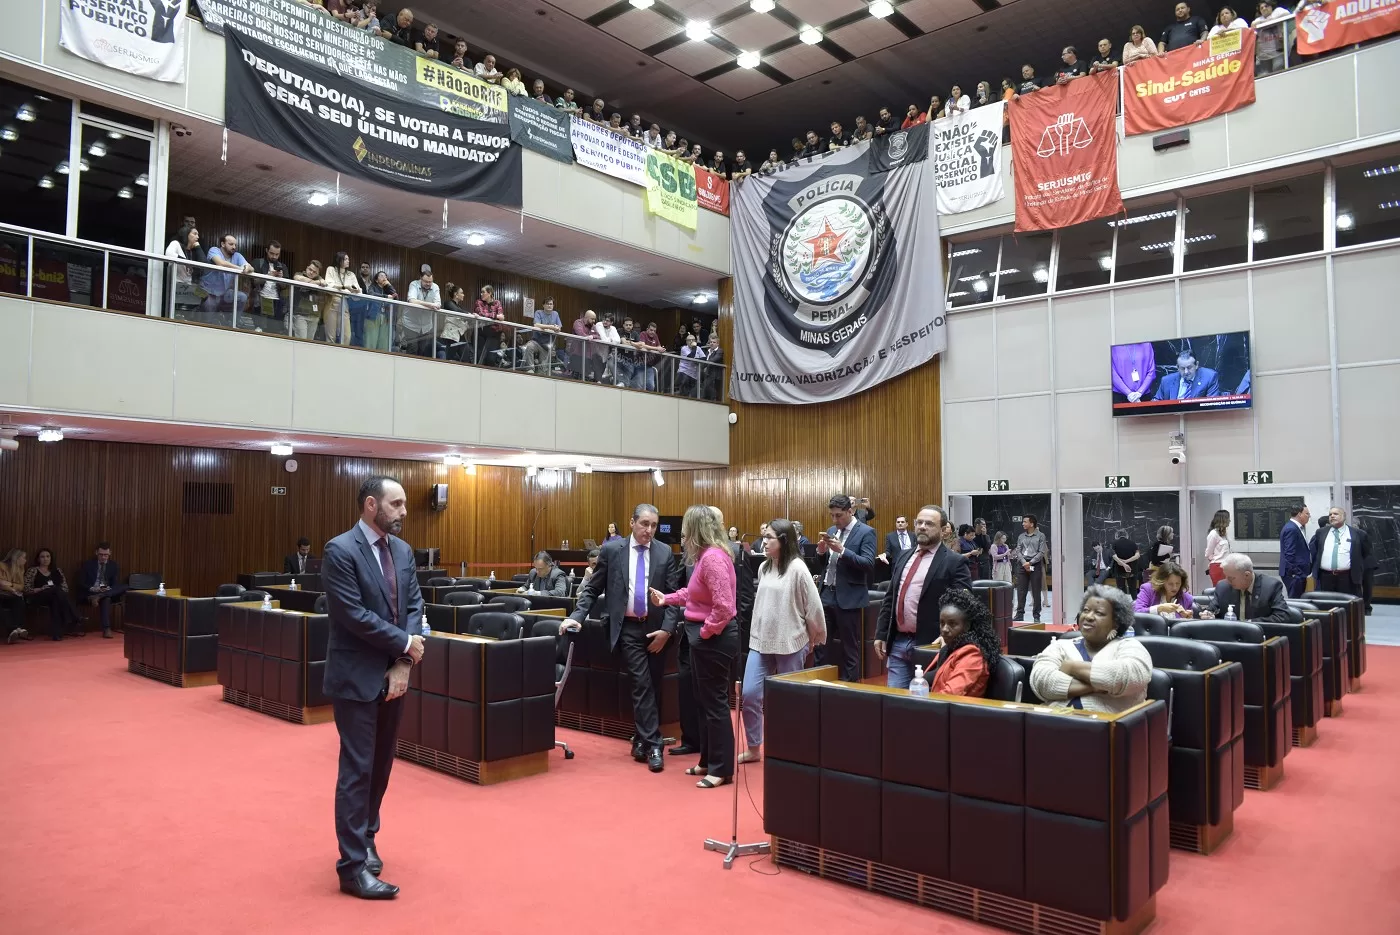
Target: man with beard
(918, 580)
(373, 600)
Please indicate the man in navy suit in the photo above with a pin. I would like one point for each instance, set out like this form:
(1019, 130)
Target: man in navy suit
(918, 581)
(1340, 552)
(1294, 558)
(845, 557)
(626, 571)
(99, 583)
(373, 600)
(899, 541)
(1191, 380)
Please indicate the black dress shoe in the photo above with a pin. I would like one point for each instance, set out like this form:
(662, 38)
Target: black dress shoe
(683, 749)
(639, 751)
(655, 762)
(366, 886)
(372, 862)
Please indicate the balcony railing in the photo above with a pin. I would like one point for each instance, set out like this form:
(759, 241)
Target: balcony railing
(38, 265)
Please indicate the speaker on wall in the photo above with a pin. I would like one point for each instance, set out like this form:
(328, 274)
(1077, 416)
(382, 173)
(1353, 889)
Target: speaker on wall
(437, 497)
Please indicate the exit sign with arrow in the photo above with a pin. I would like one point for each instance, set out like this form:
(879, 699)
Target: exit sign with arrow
(999, 486)
(1115, 481)
(1253, 478)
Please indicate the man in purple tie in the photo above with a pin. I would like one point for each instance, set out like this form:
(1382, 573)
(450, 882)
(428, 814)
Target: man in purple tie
(626, 569)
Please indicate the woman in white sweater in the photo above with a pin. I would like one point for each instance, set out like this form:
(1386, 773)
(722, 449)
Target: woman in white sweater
(787, 620)
(1101, 670)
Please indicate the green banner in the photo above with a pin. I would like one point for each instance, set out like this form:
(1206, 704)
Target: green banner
(671, 189)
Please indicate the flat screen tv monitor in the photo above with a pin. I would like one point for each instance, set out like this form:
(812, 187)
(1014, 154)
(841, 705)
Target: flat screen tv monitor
(668, 529)
(1204, 373)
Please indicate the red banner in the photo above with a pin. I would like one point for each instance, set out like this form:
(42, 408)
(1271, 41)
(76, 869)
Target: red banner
(1200, 81)
(1065, 148)
(1345, 22)
(711, 191)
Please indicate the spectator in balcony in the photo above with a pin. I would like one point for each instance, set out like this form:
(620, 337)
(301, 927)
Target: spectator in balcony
(1187, 29)
(741, 169)
(983, 97)
(489, 308)
(935, 109)
(697, 328)
(184, 246)
(377, 314)
(454, 327)
(712, 370)
(629, 362)
(615, 123)
(813, 145)
(598, 113)
(837, 140)
(336, 316)
(774, 162)
(688, 383)
(459, 56)
(366, 18)
(1105, 61)
(863, 130)
(579, 347)
(635, 128)
(668, 143)
(913, 117)
(401, 32)
(653, 137)
(606, 333)
(1138, 46)
(417, 326)
(1227, 20)
(566, 102)
(513, 83)
(717, 164)
(1272, 33)
(958, 102)
(537, 92)
(427, 44)
(1071, 66)
(650, 358)
(1029, 82)
(540, 346)
(306, 310)
(885, 122)
(271, 297)
(486, 70)
(696, 156)
(222, 288)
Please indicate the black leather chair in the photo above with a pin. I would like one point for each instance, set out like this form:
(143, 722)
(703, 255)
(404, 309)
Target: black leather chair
(1004, 683)
(512, 602)
(458, 598)
(258, 596)
(321, 605)
(1150, 625)
(1206, 767)
(1305, 662)
(1268, 712)
(441, 582)
(481, 584)
(229, 590)
(497, 625)
(144, 580)
(1336, 659)
(1355, 609)
(881, 586)
(999, 596)
(563, 661)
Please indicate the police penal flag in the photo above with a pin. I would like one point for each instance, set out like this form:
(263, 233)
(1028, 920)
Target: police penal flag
(838, 282)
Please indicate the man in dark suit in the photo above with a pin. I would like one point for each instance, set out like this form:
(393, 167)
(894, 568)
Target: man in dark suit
(626, 570)
(918, 580)
(1340, 552)
(898, 542)
(1294, 558)
(373, 600)
(300, 563)
(845, 557)
(802, 540)
(99, 583)
(1254, 596)
(1191, 380)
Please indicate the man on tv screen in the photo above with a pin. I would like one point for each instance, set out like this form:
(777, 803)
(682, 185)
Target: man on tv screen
(1191, 380)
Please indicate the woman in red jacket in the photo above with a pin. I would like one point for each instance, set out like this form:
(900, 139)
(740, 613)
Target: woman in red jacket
(970, 646)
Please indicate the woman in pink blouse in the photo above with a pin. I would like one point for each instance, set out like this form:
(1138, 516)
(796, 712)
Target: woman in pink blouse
(710, 605)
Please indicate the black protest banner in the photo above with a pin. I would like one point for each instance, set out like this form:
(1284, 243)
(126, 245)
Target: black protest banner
(542, 128)
(900, 148)
(343, 125)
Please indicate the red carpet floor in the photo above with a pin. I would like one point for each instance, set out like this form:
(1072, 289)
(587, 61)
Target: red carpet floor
(130, 806)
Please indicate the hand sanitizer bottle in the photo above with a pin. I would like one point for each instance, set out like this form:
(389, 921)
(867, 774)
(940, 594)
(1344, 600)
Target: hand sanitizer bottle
(160, 591)
(426, 630)
(1230, 613)
(267, 602)
(918, 687)
(293, 585)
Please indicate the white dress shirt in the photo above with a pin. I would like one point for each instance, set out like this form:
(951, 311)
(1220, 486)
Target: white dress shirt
(1338, 543)
(373, 538)
(841, 536)
(904, 539)
(633, 557)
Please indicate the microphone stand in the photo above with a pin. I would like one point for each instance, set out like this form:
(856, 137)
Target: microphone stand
(732, 848)
(533, 523)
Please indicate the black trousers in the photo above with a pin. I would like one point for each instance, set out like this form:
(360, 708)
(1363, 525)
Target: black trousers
(685, 691)
(842, 648)
(62, 616)
(1337, 581)
(1033, 581)
(11, 613)
(369, 731)
(645, 670)
(710, 665)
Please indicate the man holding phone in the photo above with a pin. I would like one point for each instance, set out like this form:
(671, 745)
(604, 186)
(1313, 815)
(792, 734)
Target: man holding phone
(846, 555)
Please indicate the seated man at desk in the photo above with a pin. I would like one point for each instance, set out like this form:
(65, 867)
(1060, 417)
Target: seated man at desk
(1101, 670)
(299, 563)
(1254, 596)
(546, 578)
(970, 646)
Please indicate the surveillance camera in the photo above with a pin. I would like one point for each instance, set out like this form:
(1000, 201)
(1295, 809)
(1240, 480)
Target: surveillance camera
(1176, 447)
(180, 130)
(1178, 456)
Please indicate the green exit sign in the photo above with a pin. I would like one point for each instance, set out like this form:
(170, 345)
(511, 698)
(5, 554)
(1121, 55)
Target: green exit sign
(1253, 478)
(1115, 481)
(999, 486)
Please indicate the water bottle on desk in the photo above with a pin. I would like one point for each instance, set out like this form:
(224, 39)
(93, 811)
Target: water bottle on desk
(1230, 613)
(160, 591)
(425, 629)
(918, 687)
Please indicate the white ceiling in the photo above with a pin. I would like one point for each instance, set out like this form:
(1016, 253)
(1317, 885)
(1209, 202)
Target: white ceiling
(268, 181)
(186, 435)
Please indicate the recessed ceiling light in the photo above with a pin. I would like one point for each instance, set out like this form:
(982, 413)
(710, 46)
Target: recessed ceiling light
(700, 299)
(1041, 274)
(1345, 221)
(475, 240)
(881, 8)
(124, 192)
(1105, 263)
(281, 449)
(62, 167)
(1143, 218)
(115, 135)
(748, 59)
(762, 6)
(597, 272)
(318, 199)
(697, 30)
(9, 134)
(1260, 235)
(26, 113)
(143, 180)
(45, 181)
(50, 434)
(98, 149)
(810, 35)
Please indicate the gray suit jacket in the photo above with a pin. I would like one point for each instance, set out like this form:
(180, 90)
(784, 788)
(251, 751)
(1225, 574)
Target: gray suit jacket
(610, 580)
(1268, 601)
(366, 634)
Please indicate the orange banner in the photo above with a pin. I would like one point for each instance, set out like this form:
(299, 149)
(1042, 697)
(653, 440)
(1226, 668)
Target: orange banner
(1345, 22)
(1200, 81)
(711, 191)
(1065, 148)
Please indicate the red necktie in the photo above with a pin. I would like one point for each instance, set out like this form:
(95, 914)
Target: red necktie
(391, 579)
(908, 580)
